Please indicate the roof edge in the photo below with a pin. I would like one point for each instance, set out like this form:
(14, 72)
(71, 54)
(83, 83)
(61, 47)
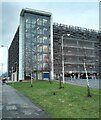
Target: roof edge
(34, 11)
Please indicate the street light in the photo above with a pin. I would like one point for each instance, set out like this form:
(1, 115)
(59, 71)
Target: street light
(2, 69)
(7, 58)
(63, 56)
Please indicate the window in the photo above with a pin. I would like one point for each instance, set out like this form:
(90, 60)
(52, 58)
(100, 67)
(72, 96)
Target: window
(28, 26)
(45, 58)
(28, 35)
(44, 30)
(39, 40)
(27, 20)
(39, 66)
(45, 21)
(45, 66)
(39, 21)
(33, 26)
(39, 31)
(34, 31)
(39, 57)
(33, 21)
(26, 30)
(39, 48)
(45, 40)
(45, 49)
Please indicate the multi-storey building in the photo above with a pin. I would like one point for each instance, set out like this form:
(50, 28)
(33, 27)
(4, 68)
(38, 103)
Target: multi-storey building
(74, 47)
(13, 57)
(46, 50)
(35, 46)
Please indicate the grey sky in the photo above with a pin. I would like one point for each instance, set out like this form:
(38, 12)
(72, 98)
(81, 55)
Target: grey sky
(82, 14)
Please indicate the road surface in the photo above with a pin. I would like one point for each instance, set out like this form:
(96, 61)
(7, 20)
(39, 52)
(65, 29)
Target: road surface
(94, 83)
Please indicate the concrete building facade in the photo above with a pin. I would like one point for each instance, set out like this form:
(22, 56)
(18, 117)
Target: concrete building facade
(45, 50)
(80, 45)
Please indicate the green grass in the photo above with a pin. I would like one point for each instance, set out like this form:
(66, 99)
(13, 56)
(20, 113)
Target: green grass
(69, 102)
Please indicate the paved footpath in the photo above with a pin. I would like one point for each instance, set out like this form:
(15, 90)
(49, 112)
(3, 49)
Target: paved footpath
(16, 105)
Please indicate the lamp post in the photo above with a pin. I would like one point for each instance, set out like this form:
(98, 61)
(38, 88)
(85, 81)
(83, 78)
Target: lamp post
(62, 37)
(62, 59)
(2, 69)
(31, 79)
(12, 76)
(7, 59)
(16, 71)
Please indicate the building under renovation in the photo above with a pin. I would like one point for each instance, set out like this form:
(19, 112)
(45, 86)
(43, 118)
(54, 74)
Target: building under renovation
(45, 50)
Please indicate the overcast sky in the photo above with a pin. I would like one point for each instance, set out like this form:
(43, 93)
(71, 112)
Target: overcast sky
(82, 14)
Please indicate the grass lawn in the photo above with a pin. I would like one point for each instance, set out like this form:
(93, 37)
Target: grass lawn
(68, 102)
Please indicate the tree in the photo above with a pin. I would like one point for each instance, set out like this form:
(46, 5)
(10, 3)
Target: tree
(85, 69)
(29, 63)
(88, 87)
(58, 61)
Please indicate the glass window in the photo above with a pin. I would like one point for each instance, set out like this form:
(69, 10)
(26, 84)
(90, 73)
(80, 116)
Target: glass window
(45, 21)
(27, 20)
(39, 48)
(39, 31)
(39, 21)
(33, 26)
(39, 40)
(28, 26)
(28, 35)
(26, 30)
(34, 66)
(39, 76)
(39, 66)
(33, 21)
(45, 58)
(45, 40)
(45, 66)
(39, 57)
(34, 32)
(45, 48)
(34, 57)
(45, 30)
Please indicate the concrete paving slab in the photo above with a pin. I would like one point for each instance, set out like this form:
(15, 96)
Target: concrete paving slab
(16, 105)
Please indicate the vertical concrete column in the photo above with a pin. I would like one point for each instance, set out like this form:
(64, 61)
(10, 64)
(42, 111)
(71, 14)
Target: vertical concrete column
(52, 67)
(21, 49)
(78, 75)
